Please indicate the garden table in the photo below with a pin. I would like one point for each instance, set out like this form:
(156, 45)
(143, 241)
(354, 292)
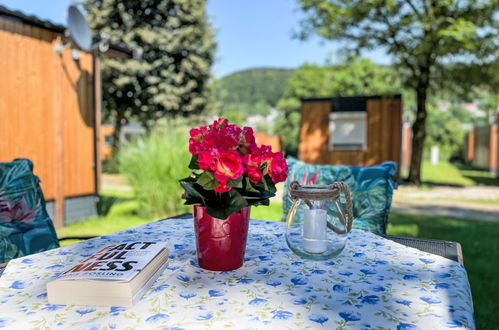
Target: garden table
(373, 282)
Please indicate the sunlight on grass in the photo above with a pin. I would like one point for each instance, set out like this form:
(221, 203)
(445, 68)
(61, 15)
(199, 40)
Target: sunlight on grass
(117, 193)
(121, 216)
(444, 173)
(101, 225)
(272, 212)
(452, 174)
(403, 230)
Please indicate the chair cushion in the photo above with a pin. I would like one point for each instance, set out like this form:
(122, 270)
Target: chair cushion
(371, 189)
(25, 226)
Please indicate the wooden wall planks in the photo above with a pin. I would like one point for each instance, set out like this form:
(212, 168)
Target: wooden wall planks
(384, 134)
(46, 109)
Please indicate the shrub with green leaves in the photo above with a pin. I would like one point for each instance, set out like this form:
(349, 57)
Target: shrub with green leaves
(153, 164)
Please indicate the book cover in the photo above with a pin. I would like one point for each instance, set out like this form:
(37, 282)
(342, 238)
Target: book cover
(121, 262)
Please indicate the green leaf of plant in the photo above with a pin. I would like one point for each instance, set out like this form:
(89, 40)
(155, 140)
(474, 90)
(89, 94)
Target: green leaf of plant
(236, 201)
(192, 192)
(228, 203)
(237, 183)
(191, 200)
(248, 186)
(194, 165)
(190, 179)
(207, 180)
(256, 202)
(269, 184)
(217, 212)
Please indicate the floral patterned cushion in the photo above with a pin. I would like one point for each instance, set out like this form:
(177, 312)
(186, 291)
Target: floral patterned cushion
(25, 226)
(371, 189)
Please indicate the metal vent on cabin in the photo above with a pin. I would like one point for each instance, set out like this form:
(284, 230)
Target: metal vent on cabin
(348, 130)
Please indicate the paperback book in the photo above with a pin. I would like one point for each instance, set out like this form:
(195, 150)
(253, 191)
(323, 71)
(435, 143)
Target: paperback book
(117, 275)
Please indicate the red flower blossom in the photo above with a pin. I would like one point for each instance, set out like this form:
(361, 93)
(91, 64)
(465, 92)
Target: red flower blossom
(266, 153)
(222, 187)
(206, 159)
(228, 166)
(229, 152)
(247, 141)
(277, 168)
(195, 141)
(252, 163)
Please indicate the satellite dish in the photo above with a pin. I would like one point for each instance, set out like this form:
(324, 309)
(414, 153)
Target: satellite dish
(79, 29)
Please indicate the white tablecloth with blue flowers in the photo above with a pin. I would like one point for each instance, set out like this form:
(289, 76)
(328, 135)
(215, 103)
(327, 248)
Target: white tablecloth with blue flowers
(373, 283)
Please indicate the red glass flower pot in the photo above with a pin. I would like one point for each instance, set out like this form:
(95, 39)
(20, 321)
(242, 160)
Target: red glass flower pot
(221, 243)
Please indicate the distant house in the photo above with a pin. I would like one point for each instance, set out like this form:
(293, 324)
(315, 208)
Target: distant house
(482, 147)
(50, 112)
(273, 141)
(474, 110)
(127, 133)
(360, 131)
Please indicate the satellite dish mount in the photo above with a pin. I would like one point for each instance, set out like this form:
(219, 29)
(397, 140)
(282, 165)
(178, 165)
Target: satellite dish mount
(80, 34)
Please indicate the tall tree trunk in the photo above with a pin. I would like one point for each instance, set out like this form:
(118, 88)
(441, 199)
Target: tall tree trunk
(118, 124)
(418, 135)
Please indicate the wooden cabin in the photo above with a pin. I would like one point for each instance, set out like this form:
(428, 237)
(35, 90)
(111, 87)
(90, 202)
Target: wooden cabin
(359, 131)
(482, 147)
(50, 113)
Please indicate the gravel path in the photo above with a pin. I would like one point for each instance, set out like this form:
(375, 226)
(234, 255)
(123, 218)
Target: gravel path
(477, 202)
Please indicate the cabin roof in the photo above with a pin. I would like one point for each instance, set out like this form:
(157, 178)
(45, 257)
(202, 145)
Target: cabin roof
(346, 98)
(19, 16)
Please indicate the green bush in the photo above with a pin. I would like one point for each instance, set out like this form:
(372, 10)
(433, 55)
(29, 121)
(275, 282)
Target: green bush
(110, 165)
(153, 165)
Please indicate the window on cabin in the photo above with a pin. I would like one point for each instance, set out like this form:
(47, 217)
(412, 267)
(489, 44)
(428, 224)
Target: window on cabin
(348, 130)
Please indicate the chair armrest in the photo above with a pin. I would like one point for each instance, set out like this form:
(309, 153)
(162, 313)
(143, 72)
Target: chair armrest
(447, 249)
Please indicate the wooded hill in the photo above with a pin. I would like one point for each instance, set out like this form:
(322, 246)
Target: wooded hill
(252, 91)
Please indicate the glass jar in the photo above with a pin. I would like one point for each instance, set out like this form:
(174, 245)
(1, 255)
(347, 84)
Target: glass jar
(316, 226)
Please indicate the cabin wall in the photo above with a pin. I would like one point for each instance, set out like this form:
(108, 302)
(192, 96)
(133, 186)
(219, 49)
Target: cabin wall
(46, 112)
(384, 134)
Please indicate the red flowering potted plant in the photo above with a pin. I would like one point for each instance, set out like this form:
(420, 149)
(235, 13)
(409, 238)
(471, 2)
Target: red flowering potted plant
(230, 173)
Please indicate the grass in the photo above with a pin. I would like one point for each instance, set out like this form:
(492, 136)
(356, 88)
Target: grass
(153, 165)
(120, 212)
(479, 241)
(478, 176)
(453, 176)
(272, 212)
(446, 173)
(459, 200)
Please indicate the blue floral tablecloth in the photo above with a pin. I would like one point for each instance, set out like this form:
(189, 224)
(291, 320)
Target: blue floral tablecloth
(373, 283)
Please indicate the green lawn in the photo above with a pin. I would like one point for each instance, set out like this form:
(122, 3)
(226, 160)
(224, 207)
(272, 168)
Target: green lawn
(480, 241)
(453, 174)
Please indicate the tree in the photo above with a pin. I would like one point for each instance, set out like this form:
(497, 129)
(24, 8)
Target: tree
(252, 91)
(423, 37)
(178, 49)
(445, 128)
(355, 77)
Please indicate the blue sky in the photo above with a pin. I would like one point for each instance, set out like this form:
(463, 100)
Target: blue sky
(250, 33)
